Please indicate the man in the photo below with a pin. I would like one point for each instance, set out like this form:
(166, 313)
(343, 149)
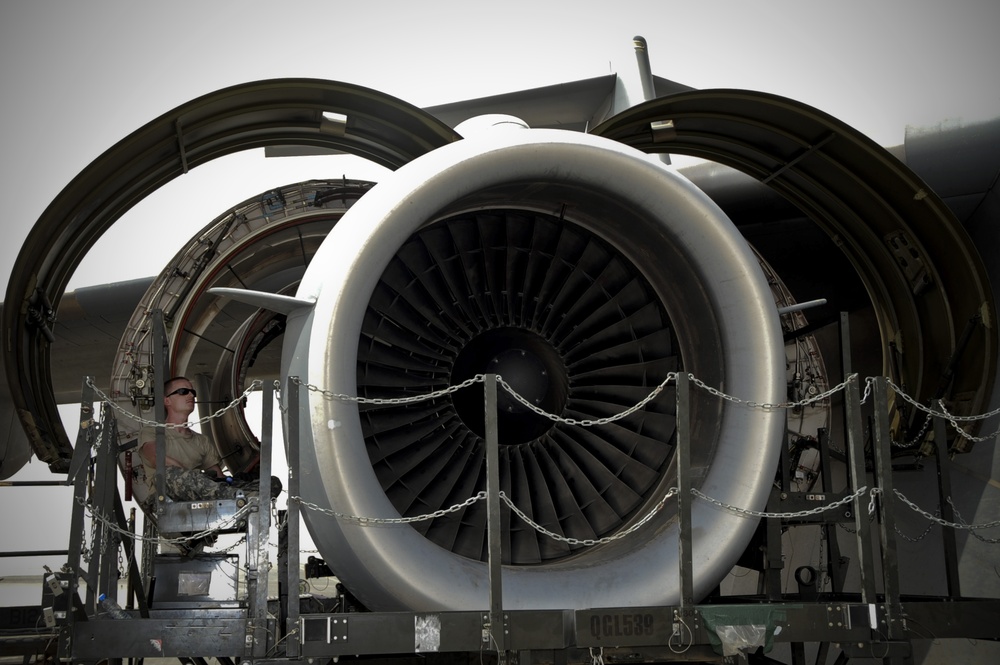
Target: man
(188, 453)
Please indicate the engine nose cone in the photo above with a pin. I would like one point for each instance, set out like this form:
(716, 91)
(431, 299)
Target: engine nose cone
(525, 374)
(529, 365)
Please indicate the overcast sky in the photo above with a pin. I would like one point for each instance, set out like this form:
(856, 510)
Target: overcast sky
(79, 76)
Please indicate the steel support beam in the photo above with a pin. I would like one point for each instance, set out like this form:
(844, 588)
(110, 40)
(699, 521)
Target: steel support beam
(684, 496)
(258, 527)
(292, 636)
(859, 480)
(497, 630)
(948, 541)
(887, 517)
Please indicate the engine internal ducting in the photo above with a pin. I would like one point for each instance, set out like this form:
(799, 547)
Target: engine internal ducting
(607, 272)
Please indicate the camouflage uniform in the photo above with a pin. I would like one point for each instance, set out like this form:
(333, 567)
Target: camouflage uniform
(192, 485)
(184, 484)
(194, 452)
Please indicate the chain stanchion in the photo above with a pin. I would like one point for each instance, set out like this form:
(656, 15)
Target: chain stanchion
(949, 541)
(292, 516)
(685, 539)
(493, 526)
(856, 459)
(887, 516)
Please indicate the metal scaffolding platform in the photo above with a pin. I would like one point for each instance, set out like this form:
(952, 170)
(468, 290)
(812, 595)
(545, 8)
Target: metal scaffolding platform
(197, 622)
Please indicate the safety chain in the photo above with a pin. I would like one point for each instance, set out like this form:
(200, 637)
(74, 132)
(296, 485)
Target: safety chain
(930, 525)
(961, 432)
(589, 541)
(94, 428)
(277, 395)
(871, 518)
(123, 565)
(918, 437)
(254, 385)
(992, 541)
(232, 547)
(365, 521)
(585, 423)
(942, 522)
(373, 521)
(589, 422)
(596, 655)
(86, 551)
(95, 518)
(934, 519)
(767, 406)
(945, 414)
(480, 378)
(869, 382)
(390, 400)
(802, 513)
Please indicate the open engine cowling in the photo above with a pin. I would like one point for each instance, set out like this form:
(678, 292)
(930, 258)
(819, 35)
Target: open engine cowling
(683, 274)
(699, 287)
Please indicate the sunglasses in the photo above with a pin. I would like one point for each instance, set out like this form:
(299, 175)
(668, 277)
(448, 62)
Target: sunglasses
(184, 391)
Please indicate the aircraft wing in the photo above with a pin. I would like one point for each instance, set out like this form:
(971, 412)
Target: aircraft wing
(575, 105)
(89, 326)
(15, 449)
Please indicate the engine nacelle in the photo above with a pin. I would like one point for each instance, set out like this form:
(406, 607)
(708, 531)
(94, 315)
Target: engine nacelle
(677, 251)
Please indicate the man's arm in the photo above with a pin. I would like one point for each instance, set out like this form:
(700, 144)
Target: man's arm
(210, 460)
(148, 452)
(216, 469)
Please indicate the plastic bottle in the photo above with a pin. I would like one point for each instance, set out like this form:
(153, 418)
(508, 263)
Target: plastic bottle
(111, 607)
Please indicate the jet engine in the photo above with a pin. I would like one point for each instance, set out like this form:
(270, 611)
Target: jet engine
(582, 274)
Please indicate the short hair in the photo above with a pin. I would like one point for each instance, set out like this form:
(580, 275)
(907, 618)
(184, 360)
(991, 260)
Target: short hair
(166, 384)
